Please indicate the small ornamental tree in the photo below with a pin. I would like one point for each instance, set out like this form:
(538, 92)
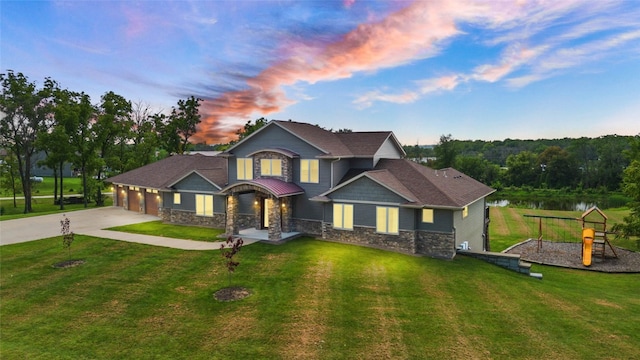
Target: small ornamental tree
(228, 251)
(67, 234)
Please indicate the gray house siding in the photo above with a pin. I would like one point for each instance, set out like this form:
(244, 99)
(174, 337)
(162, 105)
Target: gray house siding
(471, 228)
(195, 182)
(387, 151)
(365, 189)
(442, 221)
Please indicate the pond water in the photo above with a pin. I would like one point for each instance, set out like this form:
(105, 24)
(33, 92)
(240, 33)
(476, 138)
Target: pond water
(559, 204)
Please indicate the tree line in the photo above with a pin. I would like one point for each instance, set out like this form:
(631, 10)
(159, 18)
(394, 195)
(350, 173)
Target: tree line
(117, 135)
(113, 136)
(579, 163)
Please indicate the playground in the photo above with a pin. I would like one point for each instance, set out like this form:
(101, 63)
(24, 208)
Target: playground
(580, 243)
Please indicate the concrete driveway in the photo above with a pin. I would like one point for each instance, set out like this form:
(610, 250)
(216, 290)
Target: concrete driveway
(91, 222)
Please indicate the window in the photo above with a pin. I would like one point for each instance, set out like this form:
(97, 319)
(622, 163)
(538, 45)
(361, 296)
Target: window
(427, 215)
(343, 216)
(245, 168)
(204, 205)
(387, 220)
(309, 170)
(465, 212)
(176, 198)
(272, 167)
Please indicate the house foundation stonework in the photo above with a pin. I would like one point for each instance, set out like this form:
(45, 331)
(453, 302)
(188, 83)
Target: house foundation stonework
(439, 245)
(183, 217)
(403, 242)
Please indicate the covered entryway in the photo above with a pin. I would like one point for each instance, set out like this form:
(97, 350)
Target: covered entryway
(273, 205)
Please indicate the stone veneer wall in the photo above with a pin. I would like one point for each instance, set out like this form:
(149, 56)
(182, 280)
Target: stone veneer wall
(435, 244)
(507, 261)
(190, 218)
(403, 242)
(307, 227)
(287, 165)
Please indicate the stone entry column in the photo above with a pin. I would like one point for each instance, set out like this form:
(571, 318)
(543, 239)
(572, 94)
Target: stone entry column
(275, 219)
(232, 226)
(287, 217)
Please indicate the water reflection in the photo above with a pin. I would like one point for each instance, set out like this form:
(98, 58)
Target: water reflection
(557, 204)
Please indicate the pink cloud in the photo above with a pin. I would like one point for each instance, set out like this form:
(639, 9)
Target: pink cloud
(411, 33)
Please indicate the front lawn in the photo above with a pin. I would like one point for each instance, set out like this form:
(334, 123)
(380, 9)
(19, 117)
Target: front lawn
(158, 228)
(311, 299)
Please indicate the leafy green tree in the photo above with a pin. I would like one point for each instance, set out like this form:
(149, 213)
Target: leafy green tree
(612, 162)
(10, 175)
(81, 114)
(557, 168)
(446, 152)
(111, 131)
(251, 127)
(185, 118)
(631, 187)
(478, 168)
(55, 140)
(24, 110)
(522, 169)
(144, 137)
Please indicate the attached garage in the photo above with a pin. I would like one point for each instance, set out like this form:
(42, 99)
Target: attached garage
(120, 191)
(134, 198)
(151, 201)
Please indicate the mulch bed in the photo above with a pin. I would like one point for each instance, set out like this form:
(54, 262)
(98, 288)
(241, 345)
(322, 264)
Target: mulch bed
(68, 264)
(569, 254)
(232, 294)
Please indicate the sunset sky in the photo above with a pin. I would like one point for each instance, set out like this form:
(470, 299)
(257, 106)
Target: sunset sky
(478, 70)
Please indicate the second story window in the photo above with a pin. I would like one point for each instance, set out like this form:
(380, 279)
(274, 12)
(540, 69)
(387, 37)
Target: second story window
(309, 171)
(245, 168)
(271, 167)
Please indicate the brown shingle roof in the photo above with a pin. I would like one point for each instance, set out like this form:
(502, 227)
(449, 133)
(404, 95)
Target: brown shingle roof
(163, 173)
(446, 187)
(422, 186)
(364, 143)
(323, 139)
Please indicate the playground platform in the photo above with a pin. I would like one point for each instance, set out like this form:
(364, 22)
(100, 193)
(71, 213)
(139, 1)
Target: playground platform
(568, 254)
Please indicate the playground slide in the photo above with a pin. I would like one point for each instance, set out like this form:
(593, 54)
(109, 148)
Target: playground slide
(587, 243)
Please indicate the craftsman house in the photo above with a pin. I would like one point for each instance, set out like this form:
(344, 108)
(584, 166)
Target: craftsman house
(296, 178)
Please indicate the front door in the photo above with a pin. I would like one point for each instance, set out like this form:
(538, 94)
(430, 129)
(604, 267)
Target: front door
(266, 205)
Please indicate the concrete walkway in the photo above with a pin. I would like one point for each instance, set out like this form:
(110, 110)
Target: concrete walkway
(91, 222)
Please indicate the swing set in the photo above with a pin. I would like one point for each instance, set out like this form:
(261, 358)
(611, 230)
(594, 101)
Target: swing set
(592, 231)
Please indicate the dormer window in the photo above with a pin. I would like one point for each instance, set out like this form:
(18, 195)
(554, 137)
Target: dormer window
(271, 167)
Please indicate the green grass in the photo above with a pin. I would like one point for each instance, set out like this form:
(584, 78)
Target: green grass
(311, 299)
(509, 226)
(158, 228)
(72, 185)
(40, 207)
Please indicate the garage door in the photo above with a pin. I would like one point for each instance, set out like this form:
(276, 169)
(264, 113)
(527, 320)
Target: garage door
(134, 200)
(151, 203)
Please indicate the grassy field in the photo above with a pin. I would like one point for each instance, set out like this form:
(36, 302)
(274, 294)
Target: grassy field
(40, 207)
(158, 228)
(509, 226)
(311, 300)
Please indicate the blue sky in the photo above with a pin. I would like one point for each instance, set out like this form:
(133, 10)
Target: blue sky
(478, 70)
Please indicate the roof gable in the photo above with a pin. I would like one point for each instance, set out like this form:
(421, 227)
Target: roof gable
(163, 173)
(419, 185)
